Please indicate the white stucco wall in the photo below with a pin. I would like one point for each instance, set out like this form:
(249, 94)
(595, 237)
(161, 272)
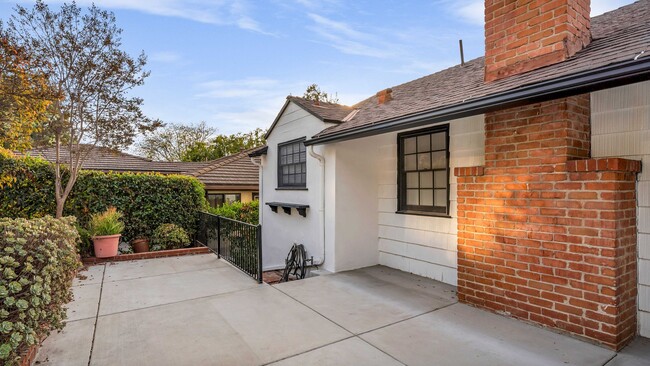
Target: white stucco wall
(354, 198)
(424, 245)
(279, 230)
(620, 127)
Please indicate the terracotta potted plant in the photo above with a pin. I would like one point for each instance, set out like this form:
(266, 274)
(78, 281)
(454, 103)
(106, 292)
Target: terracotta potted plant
(140, 245)
(106, 229)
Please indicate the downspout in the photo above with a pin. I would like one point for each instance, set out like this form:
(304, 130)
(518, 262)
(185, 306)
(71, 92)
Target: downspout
(261, 184)
(321, 160)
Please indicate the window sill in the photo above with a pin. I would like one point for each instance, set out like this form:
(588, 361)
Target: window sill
(291, 189)
(422, 213)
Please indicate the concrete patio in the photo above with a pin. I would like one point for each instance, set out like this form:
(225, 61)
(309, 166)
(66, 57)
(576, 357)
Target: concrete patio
(199, 310)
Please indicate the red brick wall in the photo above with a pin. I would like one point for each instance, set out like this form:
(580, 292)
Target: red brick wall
(545, 237)
(524, 35)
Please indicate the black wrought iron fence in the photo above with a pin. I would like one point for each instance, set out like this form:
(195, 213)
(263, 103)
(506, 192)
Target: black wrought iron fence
(239, 243)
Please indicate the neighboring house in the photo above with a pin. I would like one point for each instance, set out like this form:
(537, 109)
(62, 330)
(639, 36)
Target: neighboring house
(228, 179)
(515, 177)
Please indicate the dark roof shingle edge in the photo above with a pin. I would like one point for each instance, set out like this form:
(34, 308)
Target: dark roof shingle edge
(326, 112)
(616, 34)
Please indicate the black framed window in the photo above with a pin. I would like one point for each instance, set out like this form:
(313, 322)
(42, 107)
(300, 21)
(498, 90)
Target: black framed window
(292, 164)
(256, 196)
(423, 171)
(218, 199)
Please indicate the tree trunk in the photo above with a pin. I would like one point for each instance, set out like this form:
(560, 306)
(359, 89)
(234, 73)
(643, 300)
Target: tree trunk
(59, 207)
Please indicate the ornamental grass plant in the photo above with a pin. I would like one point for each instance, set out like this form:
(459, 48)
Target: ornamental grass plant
(106, 223)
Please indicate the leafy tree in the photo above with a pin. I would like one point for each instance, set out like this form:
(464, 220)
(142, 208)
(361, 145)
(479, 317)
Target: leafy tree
(171, 142)
(23, 97)
(91, 76)
(224, 145)
(314, 93)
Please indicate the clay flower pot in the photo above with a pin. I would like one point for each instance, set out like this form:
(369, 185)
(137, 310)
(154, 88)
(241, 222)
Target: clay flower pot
(106, 245)
(140, 245)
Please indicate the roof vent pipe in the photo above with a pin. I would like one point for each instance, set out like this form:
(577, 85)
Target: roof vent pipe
(462, 54)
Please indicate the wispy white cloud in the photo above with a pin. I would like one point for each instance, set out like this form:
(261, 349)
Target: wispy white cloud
(407, 50)
(318, 4)
(219, 12)
(244, 88)
(349, 40)
(166, 57)
(244, 104)
(472, 11)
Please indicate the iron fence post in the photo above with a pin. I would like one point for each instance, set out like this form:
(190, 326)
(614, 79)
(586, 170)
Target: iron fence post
(259, 253)
(218, 236)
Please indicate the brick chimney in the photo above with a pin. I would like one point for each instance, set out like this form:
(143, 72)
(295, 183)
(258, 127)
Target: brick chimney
(384, 96)
(524, 35)
(546, 234)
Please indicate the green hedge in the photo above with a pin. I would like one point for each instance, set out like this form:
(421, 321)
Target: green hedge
(38, 260)
(146, 200)
(247, 212)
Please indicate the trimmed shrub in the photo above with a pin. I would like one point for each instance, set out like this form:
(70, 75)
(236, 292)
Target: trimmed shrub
(247, 212)
(26, 187)
(38, 260)
(169, 236)
(147, 200)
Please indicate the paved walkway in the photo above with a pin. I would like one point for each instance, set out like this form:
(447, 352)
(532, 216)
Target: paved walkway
(199, 310)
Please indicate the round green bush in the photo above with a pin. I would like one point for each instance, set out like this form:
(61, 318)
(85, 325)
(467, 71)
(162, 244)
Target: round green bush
(38, 260)
(169, 236)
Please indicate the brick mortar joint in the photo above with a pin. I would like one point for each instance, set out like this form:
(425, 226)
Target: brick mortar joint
(604, 165)
(471, 171)
(147, 255)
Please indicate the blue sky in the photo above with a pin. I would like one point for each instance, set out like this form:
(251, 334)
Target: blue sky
(231, 63)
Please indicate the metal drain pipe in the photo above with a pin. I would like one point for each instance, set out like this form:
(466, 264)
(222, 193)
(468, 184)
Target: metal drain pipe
(321, 160)
(261, 184)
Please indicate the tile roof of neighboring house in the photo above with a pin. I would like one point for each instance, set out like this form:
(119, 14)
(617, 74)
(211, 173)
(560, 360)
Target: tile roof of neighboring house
(104, 159)
(232, 170)
(618, 36)
(236, 169)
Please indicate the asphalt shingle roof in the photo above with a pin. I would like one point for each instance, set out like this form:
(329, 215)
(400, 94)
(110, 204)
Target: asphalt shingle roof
(327, 112)
(618, 36)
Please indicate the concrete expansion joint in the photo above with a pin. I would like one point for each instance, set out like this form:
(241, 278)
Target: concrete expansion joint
(180, 301)
(356, 335)
(99, 302)
(163, 274)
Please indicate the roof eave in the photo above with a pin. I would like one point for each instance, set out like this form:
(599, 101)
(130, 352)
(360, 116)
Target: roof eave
(260, 152)
(277, 118)
(582, 82)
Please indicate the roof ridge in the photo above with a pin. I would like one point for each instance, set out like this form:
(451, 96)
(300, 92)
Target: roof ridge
(321, 102)
(221, 162)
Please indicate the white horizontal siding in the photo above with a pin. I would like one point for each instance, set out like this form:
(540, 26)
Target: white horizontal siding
(425, 245)
(621, 128)
(644, 246)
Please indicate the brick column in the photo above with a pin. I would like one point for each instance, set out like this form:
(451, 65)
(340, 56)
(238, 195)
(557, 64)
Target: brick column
(544, 235)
